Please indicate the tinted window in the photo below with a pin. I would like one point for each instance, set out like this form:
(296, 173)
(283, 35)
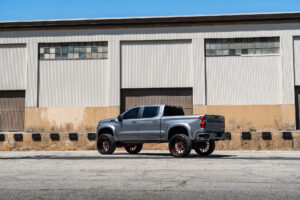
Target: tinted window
(150, 111)
(132, 114)
(173, 111)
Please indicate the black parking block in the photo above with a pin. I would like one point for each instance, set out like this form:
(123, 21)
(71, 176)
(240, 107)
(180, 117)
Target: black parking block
(2, 137)
(227, 136)
(36, 137)
(54, 136)
(91, 136)
(287, 136)
(266, 135)
(18, 137)
(246, 135)
(73, 136)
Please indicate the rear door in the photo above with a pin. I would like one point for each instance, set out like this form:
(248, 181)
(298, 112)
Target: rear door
(149, 124)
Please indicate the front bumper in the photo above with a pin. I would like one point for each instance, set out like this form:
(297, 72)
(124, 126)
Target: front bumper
(210, 136)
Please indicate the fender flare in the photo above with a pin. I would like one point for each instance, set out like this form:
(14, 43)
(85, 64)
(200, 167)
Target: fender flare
(183, 125)
(110, 127)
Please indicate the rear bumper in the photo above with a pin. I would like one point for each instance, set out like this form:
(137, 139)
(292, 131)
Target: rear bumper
(210, 136)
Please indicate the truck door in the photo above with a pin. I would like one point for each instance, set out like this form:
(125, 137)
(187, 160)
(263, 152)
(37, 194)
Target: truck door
(149, 124)
(128, 130)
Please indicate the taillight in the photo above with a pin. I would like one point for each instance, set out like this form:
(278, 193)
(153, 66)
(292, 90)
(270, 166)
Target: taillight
(203, 123)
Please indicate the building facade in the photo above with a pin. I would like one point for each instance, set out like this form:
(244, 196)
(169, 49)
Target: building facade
(66, 75)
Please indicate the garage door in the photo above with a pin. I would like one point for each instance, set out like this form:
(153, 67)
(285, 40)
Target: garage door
(12, 110)
(171, 96)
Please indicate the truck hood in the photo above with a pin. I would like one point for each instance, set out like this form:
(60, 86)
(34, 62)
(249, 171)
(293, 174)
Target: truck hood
(108, 120)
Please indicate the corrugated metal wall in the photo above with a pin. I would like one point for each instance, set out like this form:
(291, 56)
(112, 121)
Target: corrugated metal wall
(12, 67)
(243, 80)
(12, 110)
(196, 34)
(156, 64)
(73, 83)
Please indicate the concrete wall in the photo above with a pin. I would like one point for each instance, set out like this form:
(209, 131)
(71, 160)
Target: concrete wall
(73, 119)
(253, 117)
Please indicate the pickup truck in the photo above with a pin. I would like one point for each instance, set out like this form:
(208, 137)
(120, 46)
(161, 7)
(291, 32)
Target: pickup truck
(158, 124)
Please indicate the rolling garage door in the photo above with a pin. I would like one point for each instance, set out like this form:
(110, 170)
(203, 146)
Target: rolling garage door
(172, 96)
(12, 110)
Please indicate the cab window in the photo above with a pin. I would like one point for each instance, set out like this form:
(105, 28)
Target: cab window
(132, 114)
(150, 111)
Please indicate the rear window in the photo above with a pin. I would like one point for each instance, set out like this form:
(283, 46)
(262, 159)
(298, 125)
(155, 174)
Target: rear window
(150, 111)
(173, 111)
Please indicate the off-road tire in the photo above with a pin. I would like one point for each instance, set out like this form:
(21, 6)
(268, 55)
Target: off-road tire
(106, 144)
(180, 145)
(134, 148)
(204, 148)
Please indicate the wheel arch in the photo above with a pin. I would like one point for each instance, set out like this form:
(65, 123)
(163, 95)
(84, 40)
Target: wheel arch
(107, 130)
(179, 128)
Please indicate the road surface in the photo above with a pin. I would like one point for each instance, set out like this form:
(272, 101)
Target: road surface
(149, 175)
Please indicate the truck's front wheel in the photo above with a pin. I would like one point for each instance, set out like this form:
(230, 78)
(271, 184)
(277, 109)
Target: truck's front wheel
(204, 148)
(180, 145)
(106, 144)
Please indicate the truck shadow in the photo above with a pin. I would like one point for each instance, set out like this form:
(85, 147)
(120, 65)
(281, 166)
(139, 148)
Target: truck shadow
(143, 156)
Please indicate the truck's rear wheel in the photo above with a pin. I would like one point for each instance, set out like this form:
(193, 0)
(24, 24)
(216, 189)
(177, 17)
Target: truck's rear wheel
(106, 144)
(204, 148)
(180, 145)
(134, 148)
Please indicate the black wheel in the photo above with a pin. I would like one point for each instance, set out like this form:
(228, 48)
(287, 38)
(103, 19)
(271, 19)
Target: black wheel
(133, 148)
(180, 145)
(204, 148)
(106, 144)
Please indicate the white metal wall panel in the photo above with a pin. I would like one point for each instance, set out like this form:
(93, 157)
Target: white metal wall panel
(156, 64)
(73, 83)
(243, 80)
(297, 60)
(114, 36)
(13, 67)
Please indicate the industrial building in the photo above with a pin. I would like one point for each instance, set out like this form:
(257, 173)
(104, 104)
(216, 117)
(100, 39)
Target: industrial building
(66, 75)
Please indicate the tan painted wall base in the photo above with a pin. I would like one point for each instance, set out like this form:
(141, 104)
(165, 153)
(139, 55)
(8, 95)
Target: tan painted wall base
(85, 119)
(67, 119)
(83, 143)
(255, 117)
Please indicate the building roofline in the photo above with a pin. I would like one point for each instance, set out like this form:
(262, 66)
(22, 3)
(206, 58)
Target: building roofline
(157, 21)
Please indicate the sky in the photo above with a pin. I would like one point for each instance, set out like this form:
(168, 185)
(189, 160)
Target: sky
(15, 10)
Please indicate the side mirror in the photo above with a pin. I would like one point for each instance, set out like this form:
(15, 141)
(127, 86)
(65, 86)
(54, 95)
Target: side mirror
(120, 118)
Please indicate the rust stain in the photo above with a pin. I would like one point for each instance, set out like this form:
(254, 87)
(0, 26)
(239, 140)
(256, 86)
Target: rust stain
(66, 119)
(253, 117)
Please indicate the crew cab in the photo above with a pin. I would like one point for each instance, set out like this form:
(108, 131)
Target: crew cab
(158, 124)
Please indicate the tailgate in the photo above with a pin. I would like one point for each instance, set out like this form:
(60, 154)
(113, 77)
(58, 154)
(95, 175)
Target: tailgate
(215, 123)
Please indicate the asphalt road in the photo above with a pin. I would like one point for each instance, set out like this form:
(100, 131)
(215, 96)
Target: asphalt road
(149, 175)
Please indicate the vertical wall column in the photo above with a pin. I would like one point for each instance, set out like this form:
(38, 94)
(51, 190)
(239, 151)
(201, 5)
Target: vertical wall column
(287, 69)
(32, 74)
(199, 89)
(114, 73)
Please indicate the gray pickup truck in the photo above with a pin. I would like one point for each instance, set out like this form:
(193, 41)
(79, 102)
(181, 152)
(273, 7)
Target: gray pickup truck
(157, 124)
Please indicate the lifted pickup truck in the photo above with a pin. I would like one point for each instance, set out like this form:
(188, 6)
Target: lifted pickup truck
(157, 124)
